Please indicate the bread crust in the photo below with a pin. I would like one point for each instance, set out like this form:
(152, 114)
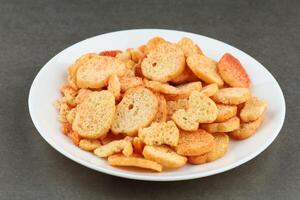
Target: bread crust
(220, 148)
(137, 109)
(189, 47)
(163, 63)
(233, 72)
(204, 68)
(133, 161)
(246, 130)
(164, 156)
(160, 133)
(197, 160)
(201, 109)
(195, 143)
(95, 115)
(225, 112)
(94, 73)
(232, 96)
(226, 126)
(253, 109)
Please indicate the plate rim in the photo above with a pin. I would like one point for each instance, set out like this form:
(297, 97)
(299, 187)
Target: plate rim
(157, 178)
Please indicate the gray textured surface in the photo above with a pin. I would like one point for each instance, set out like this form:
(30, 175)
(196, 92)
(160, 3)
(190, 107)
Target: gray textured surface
(31, 32)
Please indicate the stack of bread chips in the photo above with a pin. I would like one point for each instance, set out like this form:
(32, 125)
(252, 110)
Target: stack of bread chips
(159, 106)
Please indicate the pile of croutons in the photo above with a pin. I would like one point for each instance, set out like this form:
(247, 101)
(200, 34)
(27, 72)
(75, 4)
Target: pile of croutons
(158, 106)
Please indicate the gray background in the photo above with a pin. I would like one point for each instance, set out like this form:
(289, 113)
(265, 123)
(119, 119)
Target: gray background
(31, 32)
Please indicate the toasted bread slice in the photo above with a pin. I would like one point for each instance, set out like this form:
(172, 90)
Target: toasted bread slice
(136, 110)
(246, 129)
(109, 137)
(185, 90)
(110, 53)
(232, 96)
(130, 82)
(94, 73)
(253, 109)
(186, 76)
(201, 109)
(82, 94)
(66, 128)
(226, 126)
(204, 68)
(114, 86)
(95, 115)
(160, 133)
(113, 147)
(133, 161)
(176, 105)
(72, 70)
(210, 90)
(186, 120)
(220, 148)
(225, 112)
(64, 109)
(136, 55)
(89, 145)
(124, 56)
(164, 88)
(161, 115)
(197, 160)
(164, 156)
(152, 44)
(138, 145)
(195, 143)
(75, 137)
(189, 47)
(163, 63)
(71, 115)
(233, 72)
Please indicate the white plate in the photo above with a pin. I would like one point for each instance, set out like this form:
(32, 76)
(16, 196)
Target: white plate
(45, 90)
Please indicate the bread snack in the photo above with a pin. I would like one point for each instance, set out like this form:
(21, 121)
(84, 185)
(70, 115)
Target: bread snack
(184, 90)
(164, 88)
(195, 143)
(94, 73)
(186, 76)
(176, 105)
(220, 148)
(89, 145)
(113, 147)
(158, 106)
(114, 85)
(225, 112)
(95, 115)
(201, 109)
(189, 47)
(72, 70)
(232, 96)
(246, 129)
(160, 133)
(153, 43)
(133, 161)
(197, 160)
(204, 68)
(136, 110)
(210, 89)
(162, 112)
(253, 109)
(226, 126)
(130, 82)
(163, 63)
(164, 155)
(232, 71)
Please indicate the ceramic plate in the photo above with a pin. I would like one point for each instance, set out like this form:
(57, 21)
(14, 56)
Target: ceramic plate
(45, 90)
